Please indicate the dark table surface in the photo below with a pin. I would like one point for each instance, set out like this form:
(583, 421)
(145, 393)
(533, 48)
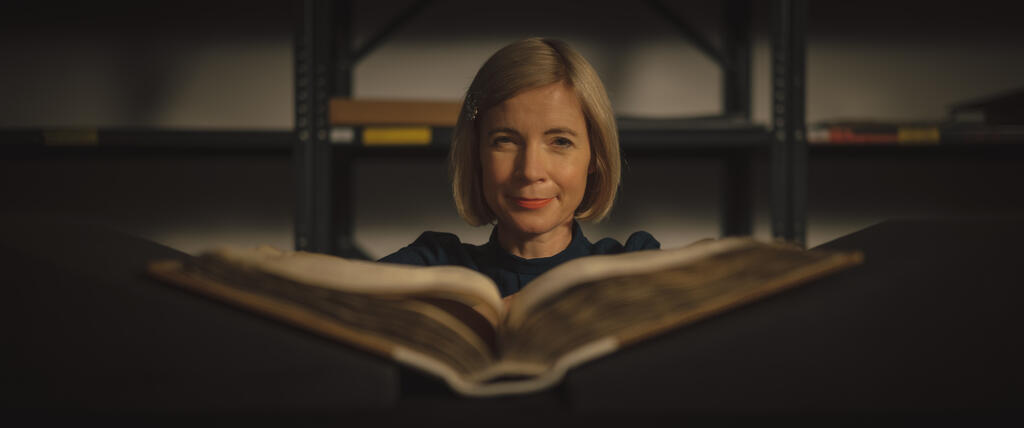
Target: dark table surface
(929, 324)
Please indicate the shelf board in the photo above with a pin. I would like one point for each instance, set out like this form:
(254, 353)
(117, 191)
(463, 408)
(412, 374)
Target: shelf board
(913, 134)
(689, 135)
(143, 141)
(640, 138)
(994, 150)
(636, 137)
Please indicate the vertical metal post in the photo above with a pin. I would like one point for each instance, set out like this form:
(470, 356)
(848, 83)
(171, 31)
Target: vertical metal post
(342, 48)
(323, 221)
(736, 50)
(789, 147)
(303, 151)
(323, 225)
(737, 209)
(343, 198)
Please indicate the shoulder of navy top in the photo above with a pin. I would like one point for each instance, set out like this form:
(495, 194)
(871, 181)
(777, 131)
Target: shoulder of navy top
(430, 249)
(509, 272)
(640, 240)
(440, 248)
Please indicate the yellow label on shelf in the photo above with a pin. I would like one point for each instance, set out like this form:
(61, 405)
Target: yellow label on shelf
(396, 135)
(71, 137)
(918, 135)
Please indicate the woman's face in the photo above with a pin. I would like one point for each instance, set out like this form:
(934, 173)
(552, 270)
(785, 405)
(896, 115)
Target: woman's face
(535, 154)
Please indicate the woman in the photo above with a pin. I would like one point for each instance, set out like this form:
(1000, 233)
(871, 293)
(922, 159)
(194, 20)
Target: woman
(535, 149)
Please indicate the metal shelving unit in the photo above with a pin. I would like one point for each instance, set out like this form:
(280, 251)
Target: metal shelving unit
(325, 57)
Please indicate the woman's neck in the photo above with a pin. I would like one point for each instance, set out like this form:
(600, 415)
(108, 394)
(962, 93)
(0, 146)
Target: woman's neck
(530, 246)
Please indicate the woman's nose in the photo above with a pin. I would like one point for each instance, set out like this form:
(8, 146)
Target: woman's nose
(532, 164)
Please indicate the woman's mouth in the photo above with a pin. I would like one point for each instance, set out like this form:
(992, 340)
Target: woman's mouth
(532, 204)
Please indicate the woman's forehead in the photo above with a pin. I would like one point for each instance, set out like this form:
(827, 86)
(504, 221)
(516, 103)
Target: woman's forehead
(554, 106)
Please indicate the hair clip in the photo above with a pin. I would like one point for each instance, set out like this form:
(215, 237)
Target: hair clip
(471, 109)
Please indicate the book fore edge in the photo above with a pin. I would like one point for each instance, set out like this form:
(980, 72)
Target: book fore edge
(722, 305)
(551, 377)
(456, 280)
(635, 263)
(169, 271)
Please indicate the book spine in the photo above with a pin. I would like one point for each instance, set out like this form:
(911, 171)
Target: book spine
(971, 134)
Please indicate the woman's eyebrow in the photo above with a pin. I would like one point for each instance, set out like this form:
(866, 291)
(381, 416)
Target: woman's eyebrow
(505, 130)
(548, 132)
(560, 131)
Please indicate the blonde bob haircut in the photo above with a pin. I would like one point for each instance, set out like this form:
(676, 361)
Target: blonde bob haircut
(518, 67)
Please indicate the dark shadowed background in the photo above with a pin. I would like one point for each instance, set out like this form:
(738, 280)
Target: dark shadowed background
(229, 65)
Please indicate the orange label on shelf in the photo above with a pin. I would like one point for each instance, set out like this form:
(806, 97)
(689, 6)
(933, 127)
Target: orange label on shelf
(71, 137)
(396, 135)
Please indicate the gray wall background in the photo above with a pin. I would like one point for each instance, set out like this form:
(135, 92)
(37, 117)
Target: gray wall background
(228, 65)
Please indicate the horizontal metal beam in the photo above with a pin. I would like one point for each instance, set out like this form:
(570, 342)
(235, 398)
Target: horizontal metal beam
(689, 32)
(397, 22)
(144, 139)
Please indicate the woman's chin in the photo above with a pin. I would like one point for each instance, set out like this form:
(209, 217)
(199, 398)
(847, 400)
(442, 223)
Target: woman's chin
(532, 225)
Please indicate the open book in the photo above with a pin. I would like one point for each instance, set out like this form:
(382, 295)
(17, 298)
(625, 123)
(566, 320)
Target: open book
(451, 321)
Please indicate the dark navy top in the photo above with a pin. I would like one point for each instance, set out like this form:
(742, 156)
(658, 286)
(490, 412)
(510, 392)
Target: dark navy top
(510, 272)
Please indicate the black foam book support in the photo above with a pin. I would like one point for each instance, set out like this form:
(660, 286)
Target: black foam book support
(930, 323)
(85, 330)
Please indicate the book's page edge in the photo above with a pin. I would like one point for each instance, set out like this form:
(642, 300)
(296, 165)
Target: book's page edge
(807, 274)
(591, 268)
(169, 271)
(609, 345)
(549, 378)
(362, 276)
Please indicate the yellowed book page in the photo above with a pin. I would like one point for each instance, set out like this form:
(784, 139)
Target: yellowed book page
(635, 307)
(360, 276)
(171, 271)
(592, 268)
(380, 328)
(535, 378)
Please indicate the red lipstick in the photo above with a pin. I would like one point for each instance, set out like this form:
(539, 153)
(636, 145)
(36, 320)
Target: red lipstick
(532, 204)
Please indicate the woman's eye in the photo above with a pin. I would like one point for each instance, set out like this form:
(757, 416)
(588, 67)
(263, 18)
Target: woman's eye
(501, 140)
(563, 142)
